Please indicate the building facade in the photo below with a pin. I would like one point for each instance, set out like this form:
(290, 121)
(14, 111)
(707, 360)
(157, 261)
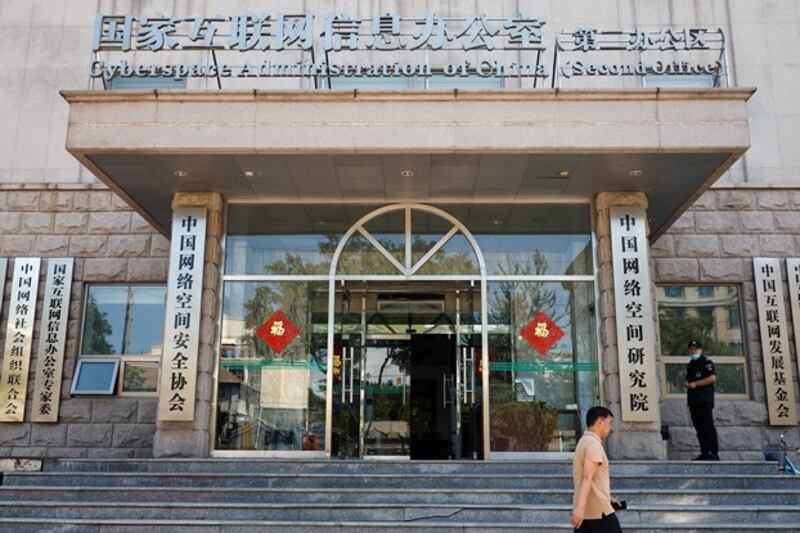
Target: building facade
(427, 231)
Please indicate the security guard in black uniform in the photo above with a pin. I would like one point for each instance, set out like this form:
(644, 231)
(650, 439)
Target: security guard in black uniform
(700, 378)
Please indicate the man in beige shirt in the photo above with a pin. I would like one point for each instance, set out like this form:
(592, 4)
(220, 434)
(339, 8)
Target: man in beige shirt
(591, 506)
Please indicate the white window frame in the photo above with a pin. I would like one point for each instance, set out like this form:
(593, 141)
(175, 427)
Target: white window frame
(96, 392)
(122, 358)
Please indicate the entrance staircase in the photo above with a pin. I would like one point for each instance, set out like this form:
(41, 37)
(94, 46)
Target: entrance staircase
(225, 495)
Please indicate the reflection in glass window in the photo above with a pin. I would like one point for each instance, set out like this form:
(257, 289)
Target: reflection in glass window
(515, 239)
(705, 291)
(694, 318)
(673, 291)
(729, 379)
(534, 396)
(712, 315)
(139, 377)
(530, 239)
(679, 80)
(95, 376)
(124, 320)
(267, 399)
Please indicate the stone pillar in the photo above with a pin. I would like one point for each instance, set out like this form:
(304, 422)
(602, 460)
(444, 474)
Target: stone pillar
(630, 440)
(193, 439)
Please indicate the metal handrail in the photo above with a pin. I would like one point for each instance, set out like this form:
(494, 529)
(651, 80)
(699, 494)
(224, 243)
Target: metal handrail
(785, 463)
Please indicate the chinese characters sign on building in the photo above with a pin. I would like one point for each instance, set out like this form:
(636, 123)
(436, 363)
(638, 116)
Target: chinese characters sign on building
(793, 272)
(774, 342)
(19, 333)
(672, 51)
(636, 340)
(3, 267)
(510, 47)
(314, 37)
(182, 323)
(52, 337)
(331, 33)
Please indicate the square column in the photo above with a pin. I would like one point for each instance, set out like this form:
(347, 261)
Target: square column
(637, 433)
(192, 435)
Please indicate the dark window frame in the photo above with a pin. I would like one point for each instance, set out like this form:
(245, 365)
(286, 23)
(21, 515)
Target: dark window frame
(743, 359)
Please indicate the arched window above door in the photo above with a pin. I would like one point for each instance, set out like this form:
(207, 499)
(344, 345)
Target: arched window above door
(408, 241)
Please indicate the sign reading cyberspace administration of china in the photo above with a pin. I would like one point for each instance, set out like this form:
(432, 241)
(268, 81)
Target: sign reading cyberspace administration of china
(278, 45)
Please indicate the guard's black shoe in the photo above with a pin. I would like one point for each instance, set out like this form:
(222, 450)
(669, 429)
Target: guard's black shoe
(702, 457)
(713, 457)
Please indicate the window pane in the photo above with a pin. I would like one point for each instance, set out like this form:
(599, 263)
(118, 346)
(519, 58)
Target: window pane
(272, 397)
(538, 398)
(124, 319)
(672, 291)
(123, 84)
(533, 239)
(730, 379)
(675, 377)
(702, 312)
(705, 291)
(455, 257)
(473, 81)
(359, 256)
(95, 377)
(140, 376)
(684, 80)
(286, 239)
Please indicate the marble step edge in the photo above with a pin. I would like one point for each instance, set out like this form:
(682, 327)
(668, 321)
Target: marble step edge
(392, 505)
(411, 475)
(391, 525)
(385, 490)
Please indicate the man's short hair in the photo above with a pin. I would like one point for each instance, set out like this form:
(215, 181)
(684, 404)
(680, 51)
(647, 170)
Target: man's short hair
(596, 413)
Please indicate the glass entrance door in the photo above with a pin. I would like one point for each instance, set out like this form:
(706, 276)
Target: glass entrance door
(405, 382)
(386, 394)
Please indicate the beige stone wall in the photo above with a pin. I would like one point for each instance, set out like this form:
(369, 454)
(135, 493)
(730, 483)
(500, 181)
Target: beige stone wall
(715, 242)
(47, 47)
(110, 243)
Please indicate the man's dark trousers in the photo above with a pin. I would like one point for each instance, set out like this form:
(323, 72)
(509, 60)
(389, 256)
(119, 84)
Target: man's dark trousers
(607, 524)
(703, 421)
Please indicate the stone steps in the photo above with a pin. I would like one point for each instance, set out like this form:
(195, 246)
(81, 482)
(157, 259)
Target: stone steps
(265, 466)
(384, 495)
(176, 496)
(349, 480)
(245, 526)
(397, 512)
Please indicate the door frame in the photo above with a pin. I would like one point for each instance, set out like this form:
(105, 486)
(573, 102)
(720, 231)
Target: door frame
(407, 271)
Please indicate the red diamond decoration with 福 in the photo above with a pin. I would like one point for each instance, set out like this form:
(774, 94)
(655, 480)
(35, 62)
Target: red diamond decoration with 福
(542, 333)
(278, 331)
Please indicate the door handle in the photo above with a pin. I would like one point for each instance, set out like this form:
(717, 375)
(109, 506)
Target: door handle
(347, 367)
(468, 369)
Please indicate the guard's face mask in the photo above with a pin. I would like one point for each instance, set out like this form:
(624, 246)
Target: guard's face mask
(694, 356)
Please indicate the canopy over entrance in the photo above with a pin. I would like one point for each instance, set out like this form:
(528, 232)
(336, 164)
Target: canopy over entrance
(376, 147)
